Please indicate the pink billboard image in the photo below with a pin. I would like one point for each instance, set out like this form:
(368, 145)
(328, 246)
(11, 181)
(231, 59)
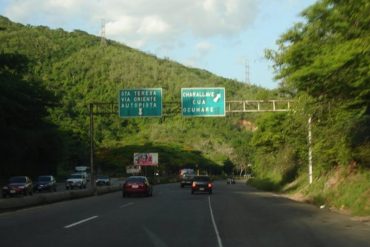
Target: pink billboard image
(145, 159)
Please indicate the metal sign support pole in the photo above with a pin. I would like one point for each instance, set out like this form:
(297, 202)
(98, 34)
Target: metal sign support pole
(92, 171)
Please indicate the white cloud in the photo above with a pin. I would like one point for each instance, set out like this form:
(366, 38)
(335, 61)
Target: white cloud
(54, 13)
(142, 21)
(203, 48)
(199, 55)
(153, 25)
(121, 26)
(63, 4)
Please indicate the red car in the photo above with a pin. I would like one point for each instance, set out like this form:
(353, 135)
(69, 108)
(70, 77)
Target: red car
(137, 185)
(18, 185)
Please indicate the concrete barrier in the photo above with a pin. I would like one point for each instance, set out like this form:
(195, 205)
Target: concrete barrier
(40, 198)
(108, 189)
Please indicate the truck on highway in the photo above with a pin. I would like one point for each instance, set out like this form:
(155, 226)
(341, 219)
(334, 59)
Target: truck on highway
(186, 176)
(84, 170)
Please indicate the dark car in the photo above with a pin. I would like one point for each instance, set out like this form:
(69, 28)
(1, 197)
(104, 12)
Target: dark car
(18, 185)
(137, 185)
(45, 183)
(102, 180)
(186, 179)
(201, 184)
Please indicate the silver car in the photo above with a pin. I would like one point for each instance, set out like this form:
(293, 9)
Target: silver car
(76, 181)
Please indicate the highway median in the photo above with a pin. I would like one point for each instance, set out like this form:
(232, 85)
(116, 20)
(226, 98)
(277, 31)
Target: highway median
(19, 202)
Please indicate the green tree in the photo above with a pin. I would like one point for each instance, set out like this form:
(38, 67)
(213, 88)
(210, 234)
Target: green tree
(29, 143)
(328, 58)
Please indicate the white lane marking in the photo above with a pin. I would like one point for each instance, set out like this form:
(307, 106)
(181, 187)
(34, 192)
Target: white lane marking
(127, 204)
(80, 222)
(214, 223)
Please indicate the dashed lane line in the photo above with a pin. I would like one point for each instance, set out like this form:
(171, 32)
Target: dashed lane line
(127, 204)
(80, 222)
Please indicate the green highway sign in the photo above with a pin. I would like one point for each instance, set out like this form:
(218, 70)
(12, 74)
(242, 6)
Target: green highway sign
(142, 102)
(203, 102)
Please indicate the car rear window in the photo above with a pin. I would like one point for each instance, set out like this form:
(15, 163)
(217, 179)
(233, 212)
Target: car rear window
(44, 179)
(17, 180)
(136, 180)
(202, 178)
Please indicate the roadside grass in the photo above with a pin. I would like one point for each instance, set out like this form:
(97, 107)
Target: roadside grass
(343, 189)
(353, 193)
(267, 184)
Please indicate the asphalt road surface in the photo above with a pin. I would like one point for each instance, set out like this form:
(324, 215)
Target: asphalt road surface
(234, 215)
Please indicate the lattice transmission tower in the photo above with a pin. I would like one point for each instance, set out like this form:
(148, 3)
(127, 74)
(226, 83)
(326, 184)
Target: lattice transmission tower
(103, 40)
(247, 79)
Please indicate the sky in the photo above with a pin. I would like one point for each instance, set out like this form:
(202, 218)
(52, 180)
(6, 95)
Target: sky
(225, 37)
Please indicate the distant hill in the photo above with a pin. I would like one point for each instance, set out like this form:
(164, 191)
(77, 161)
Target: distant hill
(77, 69)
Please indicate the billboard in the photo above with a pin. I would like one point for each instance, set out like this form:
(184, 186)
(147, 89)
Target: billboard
(145, 159)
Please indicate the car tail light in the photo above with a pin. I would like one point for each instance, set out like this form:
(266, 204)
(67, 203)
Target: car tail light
(209, 185)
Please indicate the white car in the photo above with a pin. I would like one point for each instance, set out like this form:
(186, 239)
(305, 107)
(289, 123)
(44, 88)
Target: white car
(76, 180)
(103, 180)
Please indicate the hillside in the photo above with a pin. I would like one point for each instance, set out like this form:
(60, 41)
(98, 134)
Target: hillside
(76, 69)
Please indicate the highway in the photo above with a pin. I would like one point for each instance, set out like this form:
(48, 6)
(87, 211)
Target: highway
(234, 215)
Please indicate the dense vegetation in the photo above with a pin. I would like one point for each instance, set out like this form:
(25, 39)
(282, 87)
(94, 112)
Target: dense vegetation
(49, 77)
(324, 63)
(26, 135)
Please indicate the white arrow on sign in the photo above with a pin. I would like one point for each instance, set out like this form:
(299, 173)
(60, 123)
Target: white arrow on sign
(140, 111)
(218, 96)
